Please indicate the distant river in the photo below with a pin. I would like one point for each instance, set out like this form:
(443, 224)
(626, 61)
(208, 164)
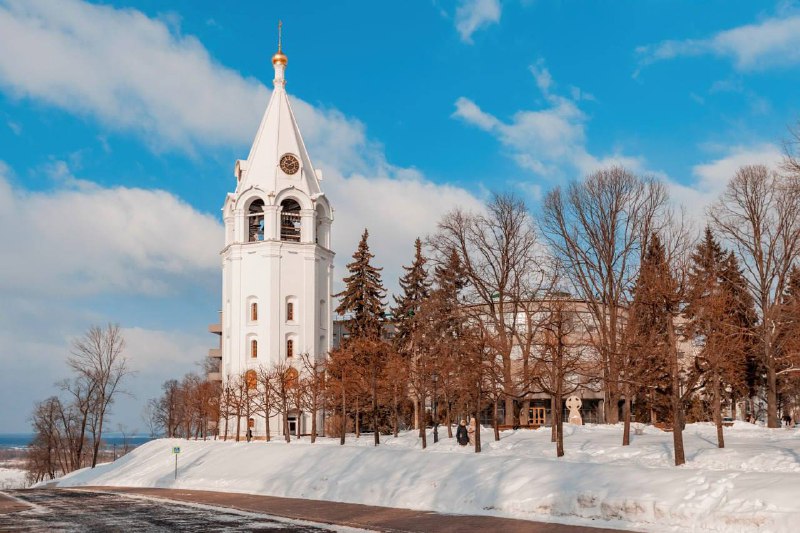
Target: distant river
(21, 440)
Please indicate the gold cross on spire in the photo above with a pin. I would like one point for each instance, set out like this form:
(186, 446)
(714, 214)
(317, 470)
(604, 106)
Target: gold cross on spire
(279, 57)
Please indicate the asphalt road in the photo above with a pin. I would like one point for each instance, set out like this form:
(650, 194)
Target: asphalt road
(71, 510)
(132, 509)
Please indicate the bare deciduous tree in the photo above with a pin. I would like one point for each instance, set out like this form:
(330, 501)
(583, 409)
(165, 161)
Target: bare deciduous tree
(759, 215)
(497, 253)
(98, 359)
(597, 229)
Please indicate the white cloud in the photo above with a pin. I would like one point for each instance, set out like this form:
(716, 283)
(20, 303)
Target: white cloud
(774, 42)
(126, 70)
(85, 239)
(396, 209)
(711, 178)
(140, 75)
(551, 141)
(473, 15)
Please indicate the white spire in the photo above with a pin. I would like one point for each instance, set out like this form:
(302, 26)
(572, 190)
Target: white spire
(278, 135)
(279, 61)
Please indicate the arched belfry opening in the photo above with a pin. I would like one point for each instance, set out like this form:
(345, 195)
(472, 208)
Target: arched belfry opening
(322, 234)
(290, 220)
(255, 221)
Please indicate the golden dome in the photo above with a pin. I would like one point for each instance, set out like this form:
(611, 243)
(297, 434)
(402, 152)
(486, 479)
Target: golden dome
(281, 58)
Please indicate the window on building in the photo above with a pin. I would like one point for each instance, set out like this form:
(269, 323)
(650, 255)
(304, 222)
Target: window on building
(255, 221)
(251, 423)
(290, 311)
(291, 377)
(254, 312)
(250, 379)
(290, 348)
(290, 221)
(253, 348)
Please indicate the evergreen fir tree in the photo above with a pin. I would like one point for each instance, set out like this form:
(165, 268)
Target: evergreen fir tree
(646, 332)
(656, 303)
(449, 280)
(362, 299)
(416, 288)
(742, 314)
(719, 313)
(703, 280)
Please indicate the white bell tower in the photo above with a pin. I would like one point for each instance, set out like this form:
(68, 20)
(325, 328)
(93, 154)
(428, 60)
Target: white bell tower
(277, 263)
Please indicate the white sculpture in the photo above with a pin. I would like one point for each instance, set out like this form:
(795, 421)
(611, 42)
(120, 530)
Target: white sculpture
(574, 405)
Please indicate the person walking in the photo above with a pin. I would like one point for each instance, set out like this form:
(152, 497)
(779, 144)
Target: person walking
(462, 437)
(249, 434)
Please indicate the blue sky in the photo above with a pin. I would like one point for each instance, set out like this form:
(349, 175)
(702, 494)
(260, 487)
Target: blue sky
(120, 124)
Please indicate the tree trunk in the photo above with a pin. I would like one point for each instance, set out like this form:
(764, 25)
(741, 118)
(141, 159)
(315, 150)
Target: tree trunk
(314, 420)
(477, 434)
(772, 397)
(496, 423)
(286, 433)
(238, 423)
(448, 419)
(653, 415)
(358, 419)
(395, 415)
(375, 411)
(423, 426)
(558, 423)
(626, 412)
(677, 410)
(344, 414)
(99, 436)
(717, 409)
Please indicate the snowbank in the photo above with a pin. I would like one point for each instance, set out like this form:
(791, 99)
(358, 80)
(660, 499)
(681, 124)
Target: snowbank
(754, 483)
(13, 478)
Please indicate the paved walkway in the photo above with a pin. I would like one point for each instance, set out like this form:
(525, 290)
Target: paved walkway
(74, 511)
(11, 505)
(354, 515)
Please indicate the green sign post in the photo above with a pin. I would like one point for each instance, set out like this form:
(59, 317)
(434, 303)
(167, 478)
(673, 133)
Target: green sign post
(175, 451)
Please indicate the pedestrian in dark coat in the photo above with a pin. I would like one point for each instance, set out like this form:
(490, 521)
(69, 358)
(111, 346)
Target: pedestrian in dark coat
(461, 433)
(249, 434)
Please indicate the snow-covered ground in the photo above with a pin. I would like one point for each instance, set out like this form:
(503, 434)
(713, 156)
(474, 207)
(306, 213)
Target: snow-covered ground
(752, 484)
(12, 478)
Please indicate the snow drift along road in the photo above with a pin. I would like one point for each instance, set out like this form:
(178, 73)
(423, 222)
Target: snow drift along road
(752, 484)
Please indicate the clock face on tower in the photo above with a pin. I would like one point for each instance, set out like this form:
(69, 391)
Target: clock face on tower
(289, 164)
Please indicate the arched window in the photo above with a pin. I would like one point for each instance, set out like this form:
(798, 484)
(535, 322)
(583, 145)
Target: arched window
(253, 348)
(251, 423)
(250, 379)
(323, 227)
(255, 221)
(291, 377)
(254, 312)
(290, 221)
(289, 348)
(289, 311)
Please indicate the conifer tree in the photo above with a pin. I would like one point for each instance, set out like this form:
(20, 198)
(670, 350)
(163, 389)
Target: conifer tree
(656, 304)
(742, 312)
(437, 342)
(415, 287)
(718, 314)
(362, 298)
(790, 334)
